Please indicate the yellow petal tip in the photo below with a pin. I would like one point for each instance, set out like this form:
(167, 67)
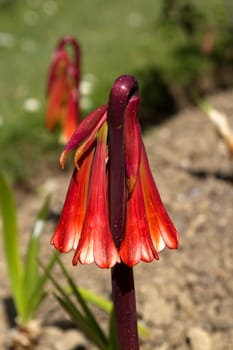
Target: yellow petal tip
(63, 158)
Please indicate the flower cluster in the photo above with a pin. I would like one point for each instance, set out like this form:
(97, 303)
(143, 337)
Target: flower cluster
(84, 221)
(63, 89)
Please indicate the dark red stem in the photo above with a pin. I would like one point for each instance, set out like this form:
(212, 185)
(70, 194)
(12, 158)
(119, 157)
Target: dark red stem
(123, 291)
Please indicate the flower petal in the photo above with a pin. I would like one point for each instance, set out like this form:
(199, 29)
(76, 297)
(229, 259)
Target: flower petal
(159, 222)
(60, 61)
(92, 122)
(132, 143)
(85, 145)
(137, 244)
(70, 122)
(85, 133)
(70, 224)
(96, 243)
(55, 107)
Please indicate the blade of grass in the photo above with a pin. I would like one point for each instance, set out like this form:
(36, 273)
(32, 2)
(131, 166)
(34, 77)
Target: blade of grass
(83, 322)
(104, 305)
(83, 304)
(38, 293)
(113, 341)
(31, 269)
(11, 242)
(96, 300)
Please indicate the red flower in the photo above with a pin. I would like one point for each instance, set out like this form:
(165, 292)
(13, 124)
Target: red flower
(63, 90)
(84, 223)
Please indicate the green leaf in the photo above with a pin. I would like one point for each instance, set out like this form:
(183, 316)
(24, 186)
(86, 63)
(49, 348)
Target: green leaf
(85, 319)
(31, 269)
(112, 339)
(105, 305)
(38, 294)
(82, 302)
(76, 316)
(96, 300)
(11, 242)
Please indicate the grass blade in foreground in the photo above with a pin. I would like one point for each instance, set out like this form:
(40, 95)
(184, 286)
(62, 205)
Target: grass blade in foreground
(82, 302)
(84, 319)
(11, 241)
(27, 285)
(35, 297)
(31, 274)
(105, 305)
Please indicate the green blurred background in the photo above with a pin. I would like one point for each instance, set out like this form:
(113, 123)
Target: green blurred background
(177, 50)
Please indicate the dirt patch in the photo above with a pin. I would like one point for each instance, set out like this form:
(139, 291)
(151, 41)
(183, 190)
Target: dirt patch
(185, 299)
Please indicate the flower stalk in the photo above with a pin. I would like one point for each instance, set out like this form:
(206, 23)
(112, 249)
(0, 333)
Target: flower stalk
(123, 290)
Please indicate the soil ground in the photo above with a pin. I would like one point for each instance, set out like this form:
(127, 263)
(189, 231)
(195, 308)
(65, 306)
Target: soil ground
(185, 298)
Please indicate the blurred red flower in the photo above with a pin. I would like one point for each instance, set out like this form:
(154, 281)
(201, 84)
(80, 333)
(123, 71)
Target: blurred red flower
(63, 90)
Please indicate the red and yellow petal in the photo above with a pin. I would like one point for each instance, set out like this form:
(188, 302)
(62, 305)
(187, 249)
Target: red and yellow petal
(96, 243)
(137, 244)
(84, 135)
(55, 106)
(67, 233)
(89, 125)
(84, 146)
(70, 122)
(161, 227)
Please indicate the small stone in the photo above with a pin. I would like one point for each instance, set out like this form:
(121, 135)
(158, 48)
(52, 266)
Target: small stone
(199, 339)
(56, 339)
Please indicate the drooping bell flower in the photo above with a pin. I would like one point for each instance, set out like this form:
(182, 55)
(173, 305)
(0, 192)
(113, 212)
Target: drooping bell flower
(84, 224)
(63, 82)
